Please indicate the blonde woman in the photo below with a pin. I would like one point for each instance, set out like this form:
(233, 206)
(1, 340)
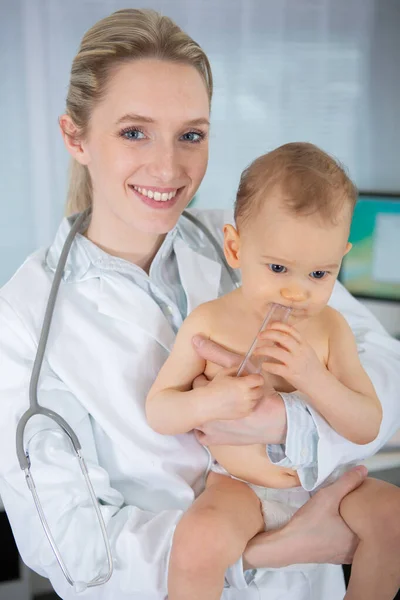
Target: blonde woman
(136, 125)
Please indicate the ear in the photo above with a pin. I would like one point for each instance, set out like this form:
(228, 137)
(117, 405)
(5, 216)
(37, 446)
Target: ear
(348, 248)
(72, 140)
(232, 246)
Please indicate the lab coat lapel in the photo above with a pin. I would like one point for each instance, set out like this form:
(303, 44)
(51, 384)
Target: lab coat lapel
(123, 300)
(200, 276)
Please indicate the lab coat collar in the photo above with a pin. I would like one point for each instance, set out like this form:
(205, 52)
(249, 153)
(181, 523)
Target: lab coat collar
(78, 261)
(200, 276)
(86, 259)
(198, 264)
(187, 240)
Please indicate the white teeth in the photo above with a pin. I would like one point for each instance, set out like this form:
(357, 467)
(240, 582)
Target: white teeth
(159, 196)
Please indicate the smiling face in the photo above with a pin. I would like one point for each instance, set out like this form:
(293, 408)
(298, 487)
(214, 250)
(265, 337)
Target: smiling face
(287, 259)
(147, 146)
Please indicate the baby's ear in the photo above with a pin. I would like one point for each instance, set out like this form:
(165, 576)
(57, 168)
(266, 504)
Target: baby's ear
(348, 248)
(232, 246)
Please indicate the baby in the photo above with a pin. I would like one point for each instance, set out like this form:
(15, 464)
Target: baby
(293, 213)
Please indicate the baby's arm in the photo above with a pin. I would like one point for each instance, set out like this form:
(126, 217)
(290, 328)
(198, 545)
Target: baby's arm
(172, 407)
(348, 400)
(167, 410)
(341, 392)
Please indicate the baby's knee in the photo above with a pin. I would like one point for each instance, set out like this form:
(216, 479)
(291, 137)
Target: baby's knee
(205, 539)
(387, 515)
(376, 514)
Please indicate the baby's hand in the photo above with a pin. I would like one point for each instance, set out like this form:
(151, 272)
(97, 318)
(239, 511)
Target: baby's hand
(231, 397)
(297, 363)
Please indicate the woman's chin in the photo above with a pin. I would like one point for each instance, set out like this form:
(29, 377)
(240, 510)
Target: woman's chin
(157, 216)
(156, 223)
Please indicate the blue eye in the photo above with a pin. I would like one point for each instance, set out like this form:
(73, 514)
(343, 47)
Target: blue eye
(194, 137)
(318, 274)
(277, 268)
(132, 133)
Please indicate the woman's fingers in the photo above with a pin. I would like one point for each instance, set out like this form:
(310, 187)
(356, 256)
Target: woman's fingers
(253, 381)
(200, 381)
(348, 482)
(200, 436)
(214, 353)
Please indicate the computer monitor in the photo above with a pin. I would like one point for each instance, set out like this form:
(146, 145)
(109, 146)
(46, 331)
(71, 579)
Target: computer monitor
(372, 267)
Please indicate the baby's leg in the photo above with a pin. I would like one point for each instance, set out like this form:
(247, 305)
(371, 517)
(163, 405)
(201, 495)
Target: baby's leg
(372, 512)
(210, 537)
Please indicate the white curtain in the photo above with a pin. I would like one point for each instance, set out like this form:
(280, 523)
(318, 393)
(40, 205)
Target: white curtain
(325, 71)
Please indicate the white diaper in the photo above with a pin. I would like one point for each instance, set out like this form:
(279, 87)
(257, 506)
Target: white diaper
(278, 505)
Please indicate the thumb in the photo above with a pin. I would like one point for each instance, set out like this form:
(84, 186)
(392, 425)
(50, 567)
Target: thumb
(215, 353)
(348, 482)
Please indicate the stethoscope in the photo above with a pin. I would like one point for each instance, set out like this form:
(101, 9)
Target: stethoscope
(36, 409)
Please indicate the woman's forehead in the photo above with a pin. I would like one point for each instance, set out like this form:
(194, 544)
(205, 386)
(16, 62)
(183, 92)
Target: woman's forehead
(155, 90)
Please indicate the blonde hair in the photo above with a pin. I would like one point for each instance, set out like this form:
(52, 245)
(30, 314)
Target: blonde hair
(123, 36)
(307, 179)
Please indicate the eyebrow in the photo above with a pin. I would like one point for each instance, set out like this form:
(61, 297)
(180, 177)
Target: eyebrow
(143, 119)
(282, 261)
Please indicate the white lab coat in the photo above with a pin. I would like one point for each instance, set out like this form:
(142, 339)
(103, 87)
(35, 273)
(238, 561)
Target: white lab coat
(107, 343)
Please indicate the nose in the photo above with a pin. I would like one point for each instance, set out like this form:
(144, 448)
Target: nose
(294, 294)
(164, 165)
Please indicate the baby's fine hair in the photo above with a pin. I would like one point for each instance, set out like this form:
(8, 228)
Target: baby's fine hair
(305, 180)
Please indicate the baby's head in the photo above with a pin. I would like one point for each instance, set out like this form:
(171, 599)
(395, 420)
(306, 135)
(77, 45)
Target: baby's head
(293, 213)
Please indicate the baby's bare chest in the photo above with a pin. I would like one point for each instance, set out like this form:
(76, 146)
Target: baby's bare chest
(237, 336)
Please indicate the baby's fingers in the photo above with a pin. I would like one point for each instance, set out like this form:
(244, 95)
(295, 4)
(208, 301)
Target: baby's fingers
(254, 380)
(284, 328)
(279, 338)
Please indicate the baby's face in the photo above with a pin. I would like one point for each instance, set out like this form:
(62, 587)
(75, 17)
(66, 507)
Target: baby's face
(290, 260)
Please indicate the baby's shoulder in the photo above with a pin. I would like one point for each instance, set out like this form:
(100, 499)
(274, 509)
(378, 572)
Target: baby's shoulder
(208, 315)
(203, 316)
(332, 321)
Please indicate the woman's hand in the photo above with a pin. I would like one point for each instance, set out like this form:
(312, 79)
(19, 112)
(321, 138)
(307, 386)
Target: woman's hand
(266, 424)
(316, 533)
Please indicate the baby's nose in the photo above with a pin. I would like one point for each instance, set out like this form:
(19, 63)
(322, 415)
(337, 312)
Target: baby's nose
(294, 294)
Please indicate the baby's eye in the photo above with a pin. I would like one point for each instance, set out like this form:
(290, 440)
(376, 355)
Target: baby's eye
(318, 274)
(277, 268)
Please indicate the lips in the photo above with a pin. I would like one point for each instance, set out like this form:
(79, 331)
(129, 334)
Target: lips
(149, 197)
(157, 194)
